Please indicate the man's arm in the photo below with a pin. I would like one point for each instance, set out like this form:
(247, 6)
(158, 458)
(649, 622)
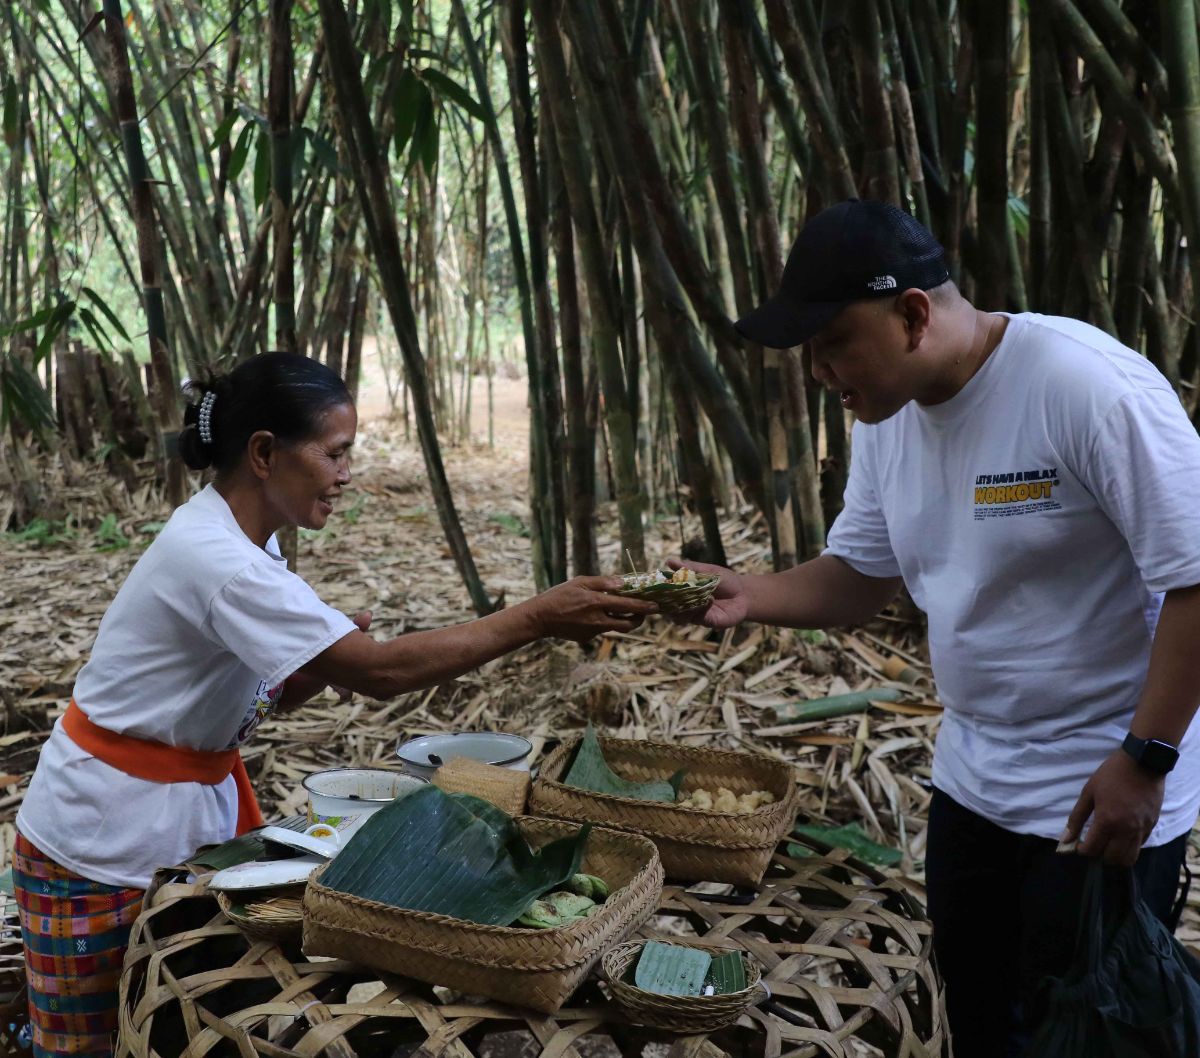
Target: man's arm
(1123, 799)
(822, 593)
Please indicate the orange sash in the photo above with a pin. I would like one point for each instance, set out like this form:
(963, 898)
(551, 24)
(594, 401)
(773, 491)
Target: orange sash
(157, 762)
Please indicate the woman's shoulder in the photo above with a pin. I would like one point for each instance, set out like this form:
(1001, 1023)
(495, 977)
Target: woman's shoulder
(203, 539)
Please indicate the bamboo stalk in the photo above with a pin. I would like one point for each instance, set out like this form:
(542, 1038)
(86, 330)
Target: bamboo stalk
(149, 253)
(379, 214)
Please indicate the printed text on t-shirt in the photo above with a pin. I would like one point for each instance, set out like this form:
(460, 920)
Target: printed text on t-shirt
(1015, 492)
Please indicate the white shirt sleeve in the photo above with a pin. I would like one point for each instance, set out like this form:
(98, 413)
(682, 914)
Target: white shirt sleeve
(273, 621)
(859, 535)
(1144, 470)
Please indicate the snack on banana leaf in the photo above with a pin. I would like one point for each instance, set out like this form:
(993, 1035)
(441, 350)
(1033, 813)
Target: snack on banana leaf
(674, 591)
(588, 885)
(560, 908)
(725, 800)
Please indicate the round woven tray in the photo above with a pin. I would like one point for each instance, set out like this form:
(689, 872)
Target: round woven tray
(688, 1014)
(673, 598)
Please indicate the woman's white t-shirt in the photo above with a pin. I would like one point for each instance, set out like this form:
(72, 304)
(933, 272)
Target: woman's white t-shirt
(193, 652)
(1036, 517)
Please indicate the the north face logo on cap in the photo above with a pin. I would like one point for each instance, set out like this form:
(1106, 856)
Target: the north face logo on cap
(883, 283)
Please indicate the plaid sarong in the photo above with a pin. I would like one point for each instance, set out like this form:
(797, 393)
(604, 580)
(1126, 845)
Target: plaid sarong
(75, 933)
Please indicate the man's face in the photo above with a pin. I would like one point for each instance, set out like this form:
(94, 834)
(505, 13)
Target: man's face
(862, 355)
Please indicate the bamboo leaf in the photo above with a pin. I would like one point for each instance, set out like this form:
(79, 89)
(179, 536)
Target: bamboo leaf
(406, 103)
(590, 771)
(451, 854)
(421, 128)
(29, 323)
(111, 316)
(99, 335)
(451, 89)
(237, 159)
(323, 150)
(54, 324)
(262, 168)
(224, 130)
(671, 969)
(21, 394)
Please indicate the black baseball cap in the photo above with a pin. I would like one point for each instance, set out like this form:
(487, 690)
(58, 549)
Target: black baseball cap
(853, 251)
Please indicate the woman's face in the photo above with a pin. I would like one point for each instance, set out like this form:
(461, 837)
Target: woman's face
(307, 477)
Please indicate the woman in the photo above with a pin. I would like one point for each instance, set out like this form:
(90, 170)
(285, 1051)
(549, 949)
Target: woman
(208, 635)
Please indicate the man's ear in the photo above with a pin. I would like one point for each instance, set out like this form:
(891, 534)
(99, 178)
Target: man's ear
(916, 309)
(261, 451)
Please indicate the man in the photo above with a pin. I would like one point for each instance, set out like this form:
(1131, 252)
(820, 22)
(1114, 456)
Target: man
(1036, 487)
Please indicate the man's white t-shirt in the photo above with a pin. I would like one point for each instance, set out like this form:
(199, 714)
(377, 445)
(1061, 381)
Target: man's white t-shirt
(1036, 517)
(192, 652)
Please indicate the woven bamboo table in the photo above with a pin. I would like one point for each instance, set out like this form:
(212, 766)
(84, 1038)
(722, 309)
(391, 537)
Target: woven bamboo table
(845, 951)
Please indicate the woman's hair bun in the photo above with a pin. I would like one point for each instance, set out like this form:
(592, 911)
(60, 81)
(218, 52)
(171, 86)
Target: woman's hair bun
(197, 440)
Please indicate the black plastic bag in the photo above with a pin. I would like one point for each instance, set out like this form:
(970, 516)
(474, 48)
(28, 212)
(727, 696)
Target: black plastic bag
(1132, 991)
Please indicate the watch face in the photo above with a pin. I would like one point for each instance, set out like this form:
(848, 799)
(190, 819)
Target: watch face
(1159, 756)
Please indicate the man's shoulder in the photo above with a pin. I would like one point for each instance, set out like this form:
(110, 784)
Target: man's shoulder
(1061, 349)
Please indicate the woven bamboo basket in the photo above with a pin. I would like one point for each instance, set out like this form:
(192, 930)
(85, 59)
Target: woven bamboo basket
(694, 844)
(672, 598)
(506, 788)
(536, 968)
(284, 930)
(688, 1014)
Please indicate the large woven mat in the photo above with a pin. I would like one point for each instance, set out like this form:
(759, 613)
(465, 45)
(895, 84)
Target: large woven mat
(845, 951)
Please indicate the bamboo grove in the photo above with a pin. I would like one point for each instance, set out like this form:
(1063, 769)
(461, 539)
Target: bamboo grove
(614, 180)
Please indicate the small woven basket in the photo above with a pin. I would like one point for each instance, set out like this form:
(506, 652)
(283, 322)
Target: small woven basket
(690, 1014)
(537, 968)
(695, 845)
(506, 788)
(672, 598)
(283, 929)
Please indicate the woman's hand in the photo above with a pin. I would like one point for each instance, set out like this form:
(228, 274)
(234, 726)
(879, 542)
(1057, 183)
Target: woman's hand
(730, 604)
(584, 607)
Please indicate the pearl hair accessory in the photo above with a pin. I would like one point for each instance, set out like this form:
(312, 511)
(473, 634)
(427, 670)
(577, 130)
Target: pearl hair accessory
(205, 422)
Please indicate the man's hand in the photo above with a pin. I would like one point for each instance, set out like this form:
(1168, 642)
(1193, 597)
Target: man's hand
(729, 605)
(1123, 801)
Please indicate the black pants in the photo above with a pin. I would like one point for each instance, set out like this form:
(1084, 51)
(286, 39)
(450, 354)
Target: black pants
(1004, 908)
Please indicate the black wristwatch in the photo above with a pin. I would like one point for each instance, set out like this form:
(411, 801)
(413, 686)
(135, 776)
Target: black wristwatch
(1151, 754)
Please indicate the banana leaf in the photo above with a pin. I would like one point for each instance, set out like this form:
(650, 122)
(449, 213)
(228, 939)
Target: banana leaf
(244, 848)
(727, 974)
(451, 854)
(590, 771)
(852, 837)
(671, 970)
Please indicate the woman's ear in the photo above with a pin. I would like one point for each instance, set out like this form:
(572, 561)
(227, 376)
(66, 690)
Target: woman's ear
(261, 450)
